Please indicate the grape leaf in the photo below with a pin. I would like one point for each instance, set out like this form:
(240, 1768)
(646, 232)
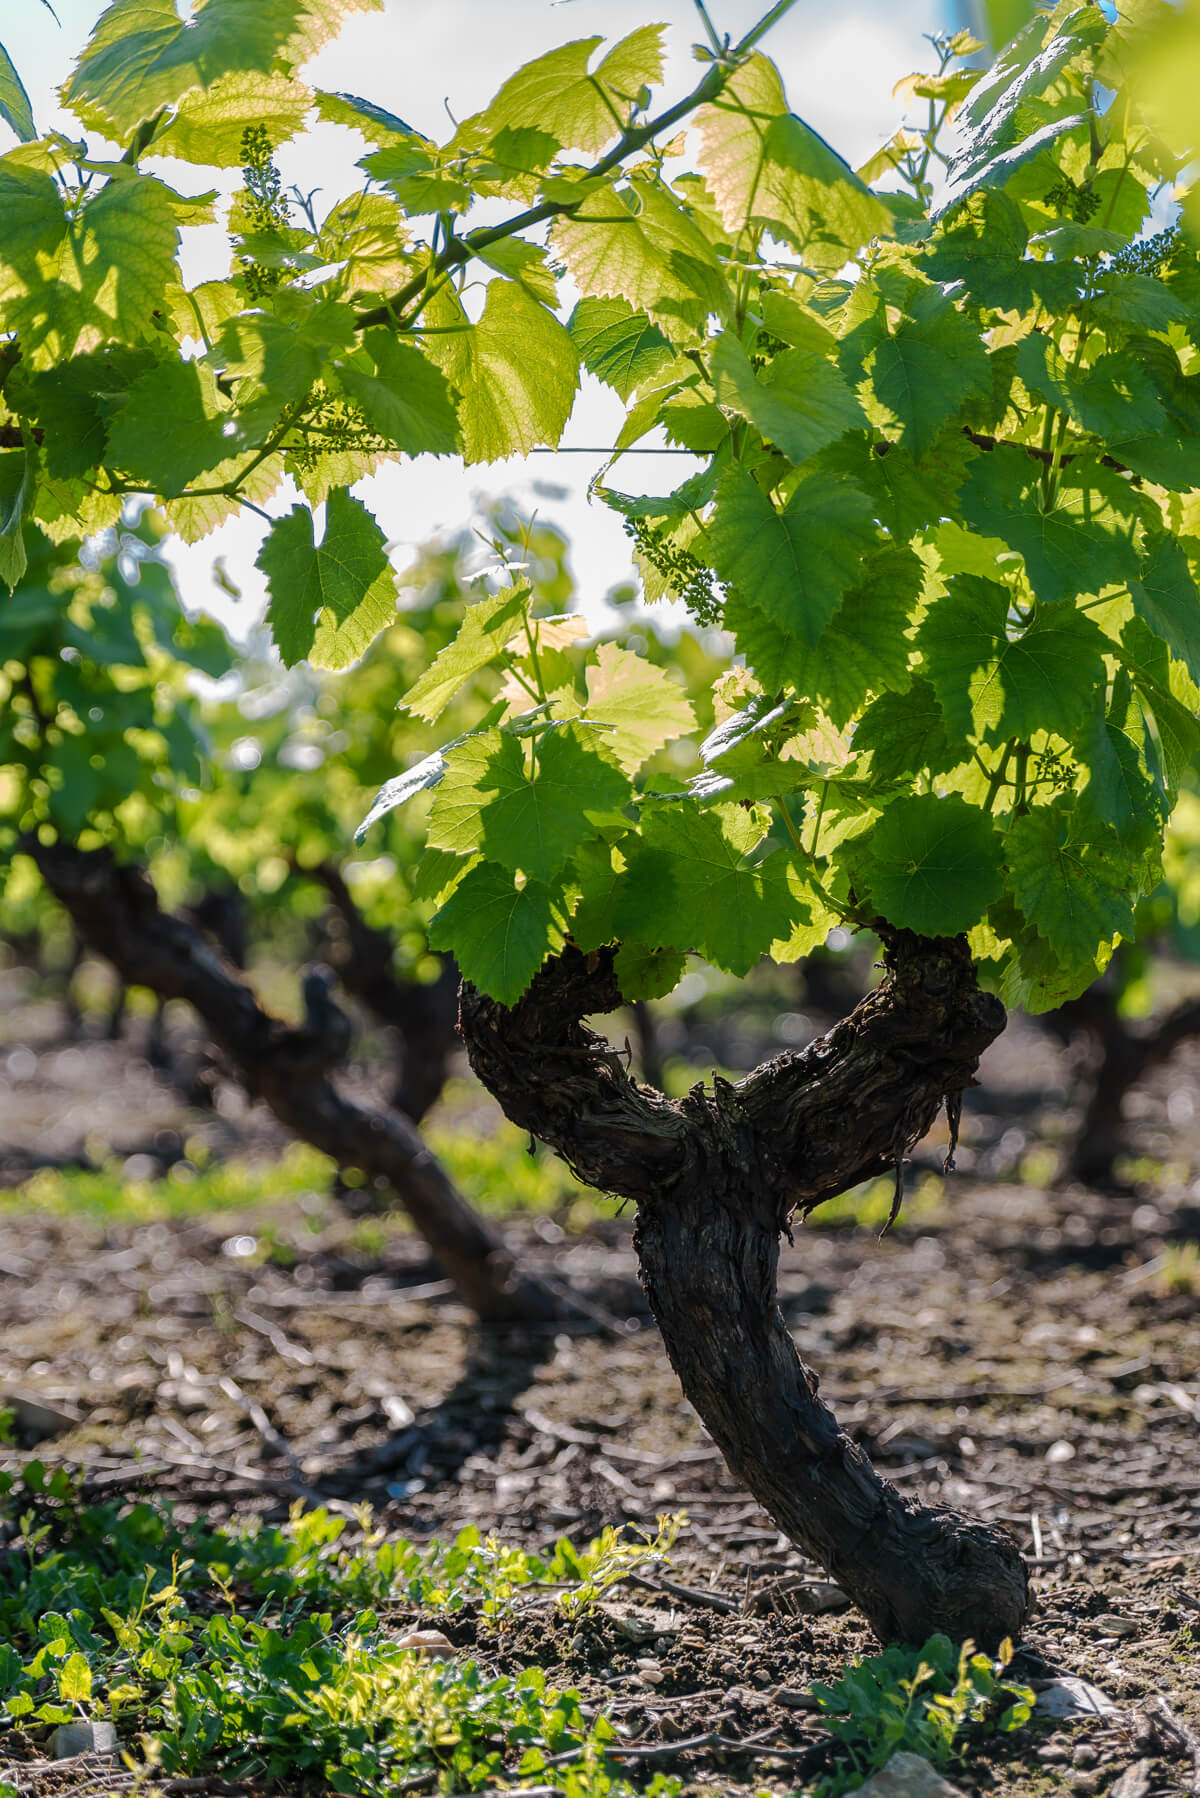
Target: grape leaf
(499, 933)
(618, 345)
(1119, 791)
(993, 685)
(555, 92)
(142, 55)
(516, 371)
(644, 706)
(801, 406)
(487, 799)
(1165, 595)
(1075, 885)
(403, 396)
(329, 601)
(691, 884)
(927, 369)
(932, 864)
(645, 973)
(485, 629)
(796, 563)
(1081, 545)
(67, 284)
(764, 166)
(15, 109)
(210, 124)
(637, 244)
(171, 427)
(906, 735)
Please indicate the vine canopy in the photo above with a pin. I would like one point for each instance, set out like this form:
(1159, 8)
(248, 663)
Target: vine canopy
(944, 502)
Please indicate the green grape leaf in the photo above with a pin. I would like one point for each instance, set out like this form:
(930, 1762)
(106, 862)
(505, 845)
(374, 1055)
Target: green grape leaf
(1115, 398)
(906, 735)
(801, 406)
(866, 648)
(796, 563)
(1165, 595)
(210, 124)
(66, 285)
(485, 629)
(143, 56)
(403, 396)
(644, 706)
(983, 246)
(598, 871)
(692, 883)
(499, 933)
(488, 800)
(1076, 885)
(907, 495)
(18, 474)
(618, 345)
(932, 864)
(1119, 791)
(523, 262)
(993, 685)
(639, 245)
(71, 404)
(764, 166)
(1081, 545)
(516, 371)
(645, 973)
(15, 109)
(925, 372)
(171, 428)
(377, 124)
(329, 601)
(555, 93)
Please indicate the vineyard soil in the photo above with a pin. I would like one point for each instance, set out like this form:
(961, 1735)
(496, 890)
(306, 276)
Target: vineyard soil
(1007, 1349)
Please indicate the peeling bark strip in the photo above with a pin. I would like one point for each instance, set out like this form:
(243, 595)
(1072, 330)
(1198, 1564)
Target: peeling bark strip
(117, 914)
(715, 1178)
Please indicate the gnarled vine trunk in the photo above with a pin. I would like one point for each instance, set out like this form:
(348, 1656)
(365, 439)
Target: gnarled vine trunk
(715, 1178)
(116, 912)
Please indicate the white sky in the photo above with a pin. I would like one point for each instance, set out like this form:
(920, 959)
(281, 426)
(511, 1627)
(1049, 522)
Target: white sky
(839, 62)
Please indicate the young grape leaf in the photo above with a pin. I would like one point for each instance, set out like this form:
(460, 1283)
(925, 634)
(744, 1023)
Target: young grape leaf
(1077, 886)
(556, 93)
(527, 820)
(329, 601)
(171, 428)
(646, 973)
(404, 397)
(906, 735)
(516, 371)
(210, 124)
(499, 933)
(692, 884)
(15, 109)
(618, 345)
(993, 685)
(644, 706)
(796, 564)
(143, 55)
(638, 244)
(764, 166)
(485, 629)
(932, 864)
(801, 406)
(1119, 791)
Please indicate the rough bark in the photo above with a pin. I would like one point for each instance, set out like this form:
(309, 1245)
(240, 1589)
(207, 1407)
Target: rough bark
(115, 910)
(715, 1178)
(424, 1014)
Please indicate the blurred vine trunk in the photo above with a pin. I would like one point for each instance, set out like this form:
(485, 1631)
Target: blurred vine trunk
(1120, 1056)
(716, 1177)
(115, 910)
(423, 1014)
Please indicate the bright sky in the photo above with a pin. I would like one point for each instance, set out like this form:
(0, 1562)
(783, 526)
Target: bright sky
(839, 62)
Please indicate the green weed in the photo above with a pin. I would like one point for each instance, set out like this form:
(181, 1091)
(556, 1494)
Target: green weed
(260, 1651)
(935, 1701)
(1180, 1269)
(868, 1207)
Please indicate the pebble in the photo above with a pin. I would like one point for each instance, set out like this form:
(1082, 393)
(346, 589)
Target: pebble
(71, 1739)
(429, 1642)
